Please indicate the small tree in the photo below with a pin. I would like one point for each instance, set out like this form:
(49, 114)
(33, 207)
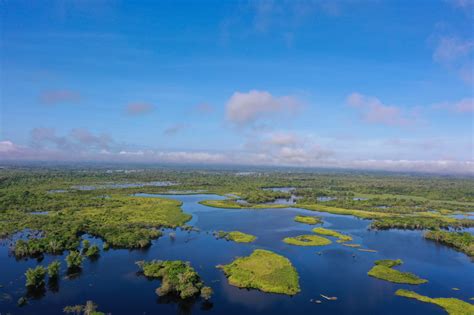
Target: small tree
(53, 269)
(206, 293)
(35, 276)
(74, 260)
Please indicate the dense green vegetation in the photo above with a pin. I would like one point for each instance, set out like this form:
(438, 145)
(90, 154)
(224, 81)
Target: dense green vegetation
(35, 276)
(383, 269)
(328, 232)
(308, 219)
(177, 277)
(90, 308)
(233, 204)
(307, 240)
(461, 241)
(54, 269)
(74, 260)
(451, 305)
(265, 271)
(236, 236)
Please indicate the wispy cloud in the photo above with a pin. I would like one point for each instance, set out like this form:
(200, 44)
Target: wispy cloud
(456, 54)
(465, 105)
(55, 97)
(247, 108)
(373, 111)
(204, 108)
(136, 109)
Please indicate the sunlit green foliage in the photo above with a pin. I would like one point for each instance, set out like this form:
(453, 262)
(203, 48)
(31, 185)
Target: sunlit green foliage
(53, 269)
(328, 232)
(308, 219)
(236, 236)
(90, 308)
(35, 276)
(383, 270)
(265, 271)
(307, 240)
(74, 260)
(451, 305)
(177, 277)
(92, 251)
(461, 241)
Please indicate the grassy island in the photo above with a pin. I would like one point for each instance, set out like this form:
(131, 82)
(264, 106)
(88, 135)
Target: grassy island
(308, 219)
(177, 277)
(307, 240)
(463, 242)
(328, 232)
(383, 270)
(236, 236)
(232, 204)
(451, 305)
(265, 271)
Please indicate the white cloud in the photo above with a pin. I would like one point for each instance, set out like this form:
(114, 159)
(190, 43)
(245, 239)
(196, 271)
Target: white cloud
(246, 108)
(372, 110)
(465, 105)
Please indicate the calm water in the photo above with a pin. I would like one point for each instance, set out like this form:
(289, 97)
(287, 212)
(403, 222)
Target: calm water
(112, 281)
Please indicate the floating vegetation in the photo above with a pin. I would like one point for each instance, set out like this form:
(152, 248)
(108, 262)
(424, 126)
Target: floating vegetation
(177, 277)
(451, 305)
(462, 241)
(328, 232)
(233, 204)
(236, 236)
(90, 308)
(74, 260)
(383, 270)
(307, 240)
(53, 269)
(265, 271)
(308, 219)
(367, 250)
(351, 245)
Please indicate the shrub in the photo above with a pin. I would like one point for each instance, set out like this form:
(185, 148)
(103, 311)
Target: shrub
(35, 276)
(74, 260)
(53, 269)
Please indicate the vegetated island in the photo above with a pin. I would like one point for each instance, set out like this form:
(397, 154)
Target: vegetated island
(451, 305)
(307, 240)
(177, 277)
(265, 271)
(462, 241)
(312, 220)
(342, 237)
(233, 204)
(383, 270)
(236, 236)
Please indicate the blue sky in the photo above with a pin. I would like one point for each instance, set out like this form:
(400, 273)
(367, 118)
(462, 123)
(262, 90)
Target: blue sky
(363, 84)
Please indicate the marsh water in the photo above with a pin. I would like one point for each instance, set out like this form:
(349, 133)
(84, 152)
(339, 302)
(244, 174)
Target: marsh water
(113, 283)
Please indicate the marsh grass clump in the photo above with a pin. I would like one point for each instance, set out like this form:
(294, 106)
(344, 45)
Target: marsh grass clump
(312, 220)
(451, 305)
(35, 277)
(236, 236)
(383, 270)
(53, 269)
(307, 240)
(177, 277)
(90, 308)
(328, 232)
(462, 241)
(74, 260)
(92, 251)
(265, 271)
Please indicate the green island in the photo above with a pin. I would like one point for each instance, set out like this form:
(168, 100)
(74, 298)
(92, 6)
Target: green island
(177, 277)
(342, 237)
(462, 241)
(383, 270)
(307, 240)
(265, 271)
(233, 204)
(90, 308)
(312, 220)
(452, 306)
(236, 236)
